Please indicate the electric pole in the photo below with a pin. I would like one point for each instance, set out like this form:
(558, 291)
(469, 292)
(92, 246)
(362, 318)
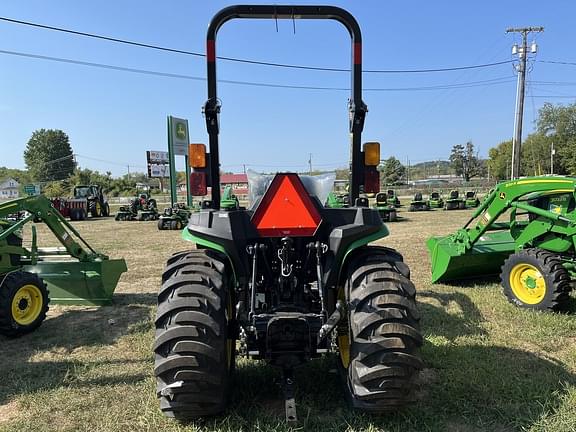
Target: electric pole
(552, 153)
(522, 52)
(310, 162)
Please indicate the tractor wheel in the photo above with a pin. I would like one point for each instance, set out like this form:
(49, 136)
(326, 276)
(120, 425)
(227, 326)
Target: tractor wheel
(160, 224)
(379, 349)
(392, 216)
(536, 279)
(195, 343)
(462, 205)
(411, 208)
(106, 210)
(95, 209)
(23, 303)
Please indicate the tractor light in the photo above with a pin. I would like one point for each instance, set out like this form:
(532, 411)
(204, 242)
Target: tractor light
(371, 154)
(371, 180)
(198, 184)
(197, 154)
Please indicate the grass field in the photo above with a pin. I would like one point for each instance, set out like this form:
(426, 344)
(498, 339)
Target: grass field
(489, 365)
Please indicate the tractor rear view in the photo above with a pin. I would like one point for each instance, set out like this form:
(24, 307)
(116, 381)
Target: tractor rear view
(534, 251)
(289, 277)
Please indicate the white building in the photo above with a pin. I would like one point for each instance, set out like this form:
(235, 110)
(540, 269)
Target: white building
(9, 189)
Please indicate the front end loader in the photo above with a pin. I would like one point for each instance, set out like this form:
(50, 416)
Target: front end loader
(30, 277)
(533, 251)
(290, 278)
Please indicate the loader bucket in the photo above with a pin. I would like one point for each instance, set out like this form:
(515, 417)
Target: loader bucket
(452, 261)
(80, 283)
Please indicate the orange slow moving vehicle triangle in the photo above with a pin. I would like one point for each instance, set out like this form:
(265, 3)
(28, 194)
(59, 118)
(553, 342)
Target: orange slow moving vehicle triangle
(286, 209)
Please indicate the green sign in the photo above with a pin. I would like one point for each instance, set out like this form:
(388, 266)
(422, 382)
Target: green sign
(179, 135)
(32, 189)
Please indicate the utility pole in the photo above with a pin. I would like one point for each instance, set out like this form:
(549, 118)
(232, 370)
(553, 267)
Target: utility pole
(522, 52)
(552, 153)
(128, 166)
(310, 162)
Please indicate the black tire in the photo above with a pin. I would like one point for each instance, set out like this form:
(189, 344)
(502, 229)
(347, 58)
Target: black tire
(94, 209)
(82, 214)
(392, 216)
(31, 295)
(161, 224)
(552, 288)
(411, 208)
(194, 346)
(383, 332)
(462, 205)
(106, 210)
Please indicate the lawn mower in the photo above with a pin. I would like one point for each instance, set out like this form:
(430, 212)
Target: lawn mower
(289, 277)
(74, 274)
(454, 202)
(386, 211)
(418, 203)
(141, 208)
(176, 217)
(435, 200)
(533, 251)
(393, 198)
(472, 199)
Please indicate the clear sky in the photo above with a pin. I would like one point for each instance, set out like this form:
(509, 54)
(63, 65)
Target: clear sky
(116, 116)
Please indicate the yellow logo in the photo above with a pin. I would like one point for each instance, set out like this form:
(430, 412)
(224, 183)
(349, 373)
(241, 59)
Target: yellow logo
(502, 195)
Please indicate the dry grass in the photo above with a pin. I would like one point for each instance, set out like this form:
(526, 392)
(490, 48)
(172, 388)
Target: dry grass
(490, 366)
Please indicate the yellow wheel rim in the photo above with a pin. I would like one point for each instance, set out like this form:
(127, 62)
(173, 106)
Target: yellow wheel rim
(230, 341)
(27, 304)
(98, 209)
(527, 283)
(343, 339)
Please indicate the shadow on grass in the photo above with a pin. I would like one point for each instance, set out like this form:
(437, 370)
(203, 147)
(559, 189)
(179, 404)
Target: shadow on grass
(466, 385)
(50, 358)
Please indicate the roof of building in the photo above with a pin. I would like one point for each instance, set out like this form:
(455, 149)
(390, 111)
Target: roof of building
(233, 178)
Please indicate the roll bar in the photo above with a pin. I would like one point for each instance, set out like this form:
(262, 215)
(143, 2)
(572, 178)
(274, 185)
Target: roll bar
(357, 108)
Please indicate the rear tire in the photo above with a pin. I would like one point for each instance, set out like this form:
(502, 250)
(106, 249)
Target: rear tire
(23, 303)
(160, 224)
(536, 279)
(383, 332)
(462, 205)
(194, 345)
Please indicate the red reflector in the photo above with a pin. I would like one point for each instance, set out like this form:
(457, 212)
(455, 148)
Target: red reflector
(198, 184)
(371, 180)
(286, 209)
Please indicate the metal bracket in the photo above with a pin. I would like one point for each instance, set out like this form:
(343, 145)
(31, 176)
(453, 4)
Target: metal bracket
(289, 396)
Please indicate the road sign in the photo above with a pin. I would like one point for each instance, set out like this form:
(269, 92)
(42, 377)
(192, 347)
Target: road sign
(32, 189)
(179, 133)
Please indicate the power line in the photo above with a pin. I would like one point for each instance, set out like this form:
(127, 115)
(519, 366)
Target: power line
(239, 60)
(557, 62)
(500, 80)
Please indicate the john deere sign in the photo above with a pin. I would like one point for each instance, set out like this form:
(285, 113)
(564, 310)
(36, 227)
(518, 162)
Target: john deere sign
(179, 135)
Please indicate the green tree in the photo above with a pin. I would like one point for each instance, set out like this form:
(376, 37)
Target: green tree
(499, 160)
(465, 162)
(392, 170)
(559, 123)
(48, 155)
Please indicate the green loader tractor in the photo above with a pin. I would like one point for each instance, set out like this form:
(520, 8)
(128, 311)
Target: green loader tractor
(386, 211)
(74, 274)
(436, 200)
(454, 202)
(288, 277)
(533, 251)
(418, 203)
(472, 199)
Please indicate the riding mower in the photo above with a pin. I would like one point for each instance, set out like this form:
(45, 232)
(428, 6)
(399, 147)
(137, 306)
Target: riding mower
(533, 251)
(471, 199)
(141, 208)
(30, 278)
(454, 202)
(393, 198)
(418, 203)
(176, 217)
(386, 211)
(289, 277)
(435, 200)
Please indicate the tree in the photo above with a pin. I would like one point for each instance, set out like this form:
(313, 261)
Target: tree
(559, 122)
(48, 155)
(499, 160)
(465, 162)
(393, 170)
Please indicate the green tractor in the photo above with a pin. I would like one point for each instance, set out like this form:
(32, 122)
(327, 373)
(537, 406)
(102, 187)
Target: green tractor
(176, 217)
(386, 211)
(74, 274)
(288, 277)
(436, 200)
(454, 202)
(533, 251)
(418, 203)
(393, 198)
(141, 208)
(472, 200)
